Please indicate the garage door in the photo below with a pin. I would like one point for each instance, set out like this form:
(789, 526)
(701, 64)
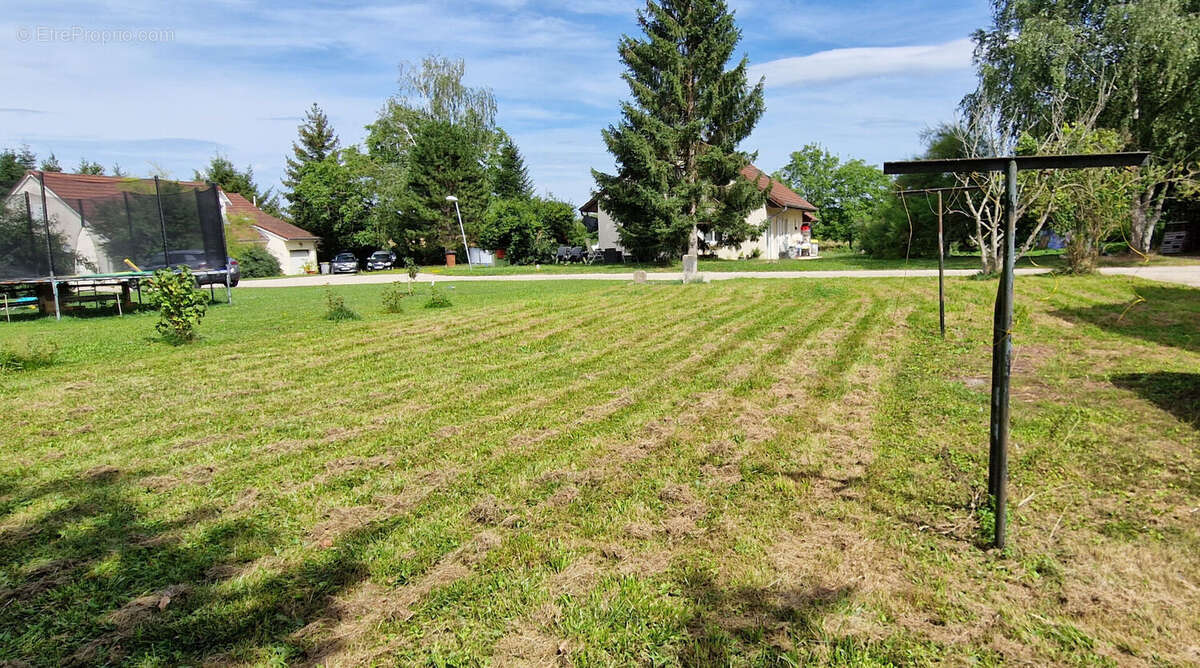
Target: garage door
(299, 257)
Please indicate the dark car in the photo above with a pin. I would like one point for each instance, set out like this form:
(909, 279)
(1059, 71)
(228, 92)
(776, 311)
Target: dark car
(381, 260)
(198, 263)
(343, 263)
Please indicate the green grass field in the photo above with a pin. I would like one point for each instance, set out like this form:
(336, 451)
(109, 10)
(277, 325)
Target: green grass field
(735, 473)
(832, 260)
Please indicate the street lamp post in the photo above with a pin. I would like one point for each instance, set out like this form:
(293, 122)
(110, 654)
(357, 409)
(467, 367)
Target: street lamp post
(463, 230)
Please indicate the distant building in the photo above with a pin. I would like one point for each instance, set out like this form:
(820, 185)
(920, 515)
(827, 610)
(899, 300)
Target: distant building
(291, 245)
(788, 218)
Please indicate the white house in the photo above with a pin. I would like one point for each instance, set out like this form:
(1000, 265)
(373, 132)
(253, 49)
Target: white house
(66, 193)
(788, 218)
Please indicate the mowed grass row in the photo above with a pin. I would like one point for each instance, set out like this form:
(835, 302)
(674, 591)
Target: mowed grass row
(600, 474)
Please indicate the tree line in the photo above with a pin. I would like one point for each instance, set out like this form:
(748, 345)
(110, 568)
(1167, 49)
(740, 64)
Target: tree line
(436, 138)
(1052, 78)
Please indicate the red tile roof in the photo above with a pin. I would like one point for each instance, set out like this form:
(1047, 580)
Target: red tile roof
(777, 193)
(259, 218)
(71, 187)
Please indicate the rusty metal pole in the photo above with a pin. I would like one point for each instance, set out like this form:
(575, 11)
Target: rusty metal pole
(1002, 365)
(162, 224)
(941, 272)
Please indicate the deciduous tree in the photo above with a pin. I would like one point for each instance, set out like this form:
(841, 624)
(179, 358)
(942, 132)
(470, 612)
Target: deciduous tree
(1138, 62)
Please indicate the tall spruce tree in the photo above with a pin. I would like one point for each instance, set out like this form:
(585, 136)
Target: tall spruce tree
(445, 161)
(317, 140)
(676, 148)
(317, 145)
(511, 178)
(51, 164)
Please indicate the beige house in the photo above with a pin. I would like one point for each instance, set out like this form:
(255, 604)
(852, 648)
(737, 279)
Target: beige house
(66, 193)
(786, 219)
(295, 248)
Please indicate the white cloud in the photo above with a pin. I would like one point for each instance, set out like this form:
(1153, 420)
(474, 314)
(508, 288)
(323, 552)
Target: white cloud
(863, 62)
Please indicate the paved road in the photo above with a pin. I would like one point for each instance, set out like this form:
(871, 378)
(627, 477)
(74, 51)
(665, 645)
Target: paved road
(1186, 275)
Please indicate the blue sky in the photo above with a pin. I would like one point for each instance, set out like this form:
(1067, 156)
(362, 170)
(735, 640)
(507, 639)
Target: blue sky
(184, 81)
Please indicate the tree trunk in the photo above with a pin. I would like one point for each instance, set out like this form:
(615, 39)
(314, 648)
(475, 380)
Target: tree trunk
(693, 244)
(1144, 216)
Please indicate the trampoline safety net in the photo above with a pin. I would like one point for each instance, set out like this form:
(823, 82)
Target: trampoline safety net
(152, 223)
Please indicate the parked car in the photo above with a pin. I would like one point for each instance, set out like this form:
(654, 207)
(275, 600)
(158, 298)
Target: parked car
(198, 263)
(343, 263)
(381, 260)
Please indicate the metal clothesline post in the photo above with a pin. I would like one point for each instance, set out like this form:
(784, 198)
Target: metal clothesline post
(998, 428)
(941, 246)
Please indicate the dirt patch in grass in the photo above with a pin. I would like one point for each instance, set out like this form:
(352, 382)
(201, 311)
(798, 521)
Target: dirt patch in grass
(753, 421)
(1029, 357)
(337, 434)
(578, 577)
(585, 478)
(563, 496)
(639, 530)
(528, 645)
(284, 447)
(646, 564)
(101, 474)
(339, 521)
(345, 465)
(160, 483)
(142, 608)
(333, 639)
(39, 579)
(247, 500)
(489, 511)
(449, 431)
(728, 474)
(524, 440)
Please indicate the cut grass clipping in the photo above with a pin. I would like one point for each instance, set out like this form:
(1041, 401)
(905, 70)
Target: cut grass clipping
(745, 473)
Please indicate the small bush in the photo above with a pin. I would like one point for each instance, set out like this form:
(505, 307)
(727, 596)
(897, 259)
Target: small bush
(412, 269)
(180, 303)
(256, 262)
(393, 297)
(25, 355)
(437, 299)
(336, 309)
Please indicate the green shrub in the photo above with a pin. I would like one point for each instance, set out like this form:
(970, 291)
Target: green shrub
(336, 309)
(256, 262)
(393, 297)
(412, 269)
(180, 303)
(437, 299)
(24, 355)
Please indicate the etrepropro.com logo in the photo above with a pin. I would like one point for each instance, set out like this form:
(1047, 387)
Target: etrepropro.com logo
(94, 35)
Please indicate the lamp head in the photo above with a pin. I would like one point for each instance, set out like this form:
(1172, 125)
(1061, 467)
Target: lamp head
(451, 198)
